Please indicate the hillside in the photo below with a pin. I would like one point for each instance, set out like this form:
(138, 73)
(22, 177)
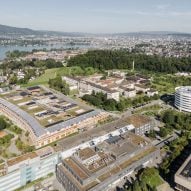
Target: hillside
(7, 30)
(15, 31)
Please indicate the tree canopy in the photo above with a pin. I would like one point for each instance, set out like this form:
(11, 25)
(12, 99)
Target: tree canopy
(121, 59)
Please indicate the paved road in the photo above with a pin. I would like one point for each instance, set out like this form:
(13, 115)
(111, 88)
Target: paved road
(162, 142)
(131, 110)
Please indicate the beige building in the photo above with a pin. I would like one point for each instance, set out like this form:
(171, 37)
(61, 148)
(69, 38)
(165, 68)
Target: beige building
(41, 136)
(89, 87)
(142, 124)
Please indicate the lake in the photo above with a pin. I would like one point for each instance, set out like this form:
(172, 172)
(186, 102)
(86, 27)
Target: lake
(4, 49)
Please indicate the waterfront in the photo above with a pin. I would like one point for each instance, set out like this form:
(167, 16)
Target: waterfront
(5, 49)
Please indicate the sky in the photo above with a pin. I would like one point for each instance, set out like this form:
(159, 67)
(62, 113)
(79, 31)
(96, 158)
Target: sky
(98, 16)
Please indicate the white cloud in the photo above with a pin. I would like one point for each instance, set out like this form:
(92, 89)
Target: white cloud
(163, 7)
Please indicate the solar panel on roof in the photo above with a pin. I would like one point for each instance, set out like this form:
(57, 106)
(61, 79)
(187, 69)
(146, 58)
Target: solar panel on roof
(72, 121)
(37, 128)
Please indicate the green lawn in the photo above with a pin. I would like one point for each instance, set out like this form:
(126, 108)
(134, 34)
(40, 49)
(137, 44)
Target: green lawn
(49, 74)
(43, 79)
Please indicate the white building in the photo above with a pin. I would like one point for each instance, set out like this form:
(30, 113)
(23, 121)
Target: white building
(183, 98)
(127, 92)
(141, 88)
(20, 75)
(86, 86)
(152, 92)
(19, 171)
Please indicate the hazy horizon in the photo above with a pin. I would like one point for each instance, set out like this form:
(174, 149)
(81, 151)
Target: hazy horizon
(100, 16)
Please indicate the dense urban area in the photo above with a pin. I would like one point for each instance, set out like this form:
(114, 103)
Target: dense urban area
(84, 112)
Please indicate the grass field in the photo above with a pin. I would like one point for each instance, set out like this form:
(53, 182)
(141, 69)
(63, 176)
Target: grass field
(43, 79)
(49, 74)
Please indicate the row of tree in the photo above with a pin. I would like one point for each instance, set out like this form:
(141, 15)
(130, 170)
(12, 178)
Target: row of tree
(46, 64)
(100, 100)
(122, 59)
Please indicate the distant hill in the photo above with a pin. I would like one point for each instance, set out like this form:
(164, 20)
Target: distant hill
(153, 33)
(7, 30)
(15, 31)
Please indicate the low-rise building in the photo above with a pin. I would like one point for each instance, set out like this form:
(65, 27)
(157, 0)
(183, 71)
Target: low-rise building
(183, 176)
(127, 92)
(152, 92)
(41, 136)
(88, 87)
(142, 88)
(84, 162)
(21, 170)
(102, 165)
(142, 124)
(20, 75)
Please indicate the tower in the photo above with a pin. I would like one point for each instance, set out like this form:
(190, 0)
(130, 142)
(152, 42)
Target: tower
(133, 66)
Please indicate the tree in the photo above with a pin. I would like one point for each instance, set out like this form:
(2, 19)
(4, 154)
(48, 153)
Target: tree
(60, 85)
(122, 59)
(110, 105)
(121, 106)
(163, 132)
(136, 186)
(143, 186)
(168, 117)
(13, 79)
(89, 71)
(3, 123)
(152, 134)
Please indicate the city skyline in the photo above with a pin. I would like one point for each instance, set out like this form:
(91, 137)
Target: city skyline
(98, 17)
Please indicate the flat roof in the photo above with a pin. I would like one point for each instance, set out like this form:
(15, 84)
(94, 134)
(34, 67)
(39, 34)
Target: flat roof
(138, 120)
(21, 158)
(111, 169)
(184, 89)
(106, 89)
(125, 145)
(186, 172)
(185, 169)
(76, 168)
(43, 152)
(70, 142)
(86, 153)
(183, 175)
(46, 151)
(40, 130)
(32, 122)
(72, 121)
(124, 148)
